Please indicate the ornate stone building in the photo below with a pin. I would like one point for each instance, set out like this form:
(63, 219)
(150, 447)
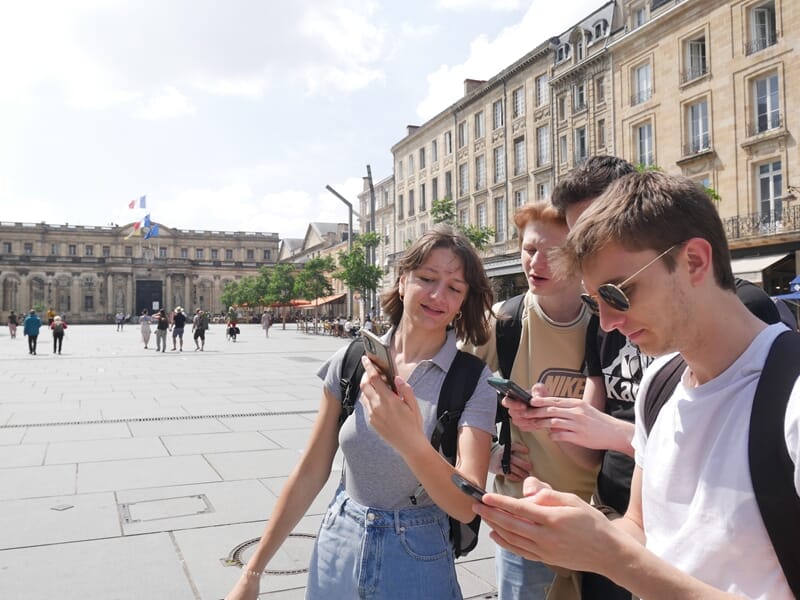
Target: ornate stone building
(91, 273)
(694, 87)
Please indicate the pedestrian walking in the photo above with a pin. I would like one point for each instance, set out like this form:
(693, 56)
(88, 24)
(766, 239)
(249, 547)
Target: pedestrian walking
(12, 324)
(119, 318)
(178, 323)
(144, 324)
(58, 326)
(199, 327)
(30, 328)
(266, 322)
(162, 324)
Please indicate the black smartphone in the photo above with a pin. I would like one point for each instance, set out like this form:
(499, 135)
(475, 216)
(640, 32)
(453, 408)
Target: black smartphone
(380, 354)
(468, 488)
(510, 389)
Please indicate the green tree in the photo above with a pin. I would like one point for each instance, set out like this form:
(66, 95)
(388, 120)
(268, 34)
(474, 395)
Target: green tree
(356, 272)
(444, 211)
(312, 281)
(280, 287)
(229, 296)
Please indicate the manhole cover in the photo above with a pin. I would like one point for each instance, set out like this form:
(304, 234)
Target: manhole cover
(291, 559)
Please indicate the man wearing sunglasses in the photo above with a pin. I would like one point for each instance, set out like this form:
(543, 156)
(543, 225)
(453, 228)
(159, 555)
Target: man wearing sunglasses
(654, 259)
(614, 365)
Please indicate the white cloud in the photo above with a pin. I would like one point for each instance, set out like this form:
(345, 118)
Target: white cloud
(480, 4)
(170, 103)
(488, 57)
(352, 42)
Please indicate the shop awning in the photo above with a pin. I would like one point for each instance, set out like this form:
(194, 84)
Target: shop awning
(752, 268)
(324, 300)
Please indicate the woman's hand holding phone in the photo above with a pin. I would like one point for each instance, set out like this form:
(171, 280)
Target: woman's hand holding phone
(396, 419)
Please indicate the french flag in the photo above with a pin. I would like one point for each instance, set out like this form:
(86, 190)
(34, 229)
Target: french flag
(142, 202)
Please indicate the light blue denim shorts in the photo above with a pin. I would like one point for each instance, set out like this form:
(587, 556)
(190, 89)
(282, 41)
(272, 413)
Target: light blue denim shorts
(374, 554)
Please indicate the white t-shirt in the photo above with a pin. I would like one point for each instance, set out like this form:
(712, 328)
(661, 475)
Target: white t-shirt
(699, 508)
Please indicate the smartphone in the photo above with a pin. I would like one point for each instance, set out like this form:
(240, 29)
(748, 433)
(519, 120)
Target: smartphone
(510, 389)
(468, 488)
(380, 354)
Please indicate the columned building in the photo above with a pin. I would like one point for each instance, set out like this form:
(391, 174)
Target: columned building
(91, 273)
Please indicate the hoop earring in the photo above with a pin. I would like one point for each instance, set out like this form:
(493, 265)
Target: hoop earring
(458, 316)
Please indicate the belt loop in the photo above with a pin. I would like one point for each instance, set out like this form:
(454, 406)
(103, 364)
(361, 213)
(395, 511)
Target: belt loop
(397, 526)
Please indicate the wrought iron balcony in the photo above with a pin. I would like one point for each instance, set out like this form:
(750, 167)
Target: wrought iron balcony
(760, 43)
(782, 221)
(698, 144)
(641, 96)
(766, 123)
(693, 73)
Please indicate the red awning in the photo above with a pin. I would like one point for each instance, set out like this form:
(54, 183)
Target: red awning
(324, 300)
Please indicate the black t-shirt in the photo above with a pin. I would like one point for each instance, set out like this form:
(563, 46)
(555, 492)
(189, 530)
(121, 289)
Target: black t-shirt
(162, 323)
(619, 363)
(179, 320)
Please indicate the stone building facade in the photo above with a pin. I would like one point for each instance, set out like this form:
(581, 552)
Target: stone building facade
(91, 273)
(692, 87)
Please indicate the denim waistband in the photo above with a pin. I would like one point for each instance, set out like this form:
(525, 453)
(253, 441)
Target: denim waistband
(396, 519)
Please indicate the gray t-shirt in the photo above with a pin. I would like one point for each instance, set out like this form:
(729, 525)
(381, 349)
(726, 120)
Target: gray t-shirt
(377, 476)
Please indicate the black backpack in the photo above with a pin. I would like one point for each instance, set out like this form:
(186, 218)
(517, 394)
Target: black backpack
(459, 385)
(507, 332)
(771, 467)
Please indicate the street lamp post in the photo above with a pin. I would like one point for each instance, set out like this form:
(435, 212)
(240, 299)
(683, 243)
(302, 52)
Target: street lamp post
(349, 240)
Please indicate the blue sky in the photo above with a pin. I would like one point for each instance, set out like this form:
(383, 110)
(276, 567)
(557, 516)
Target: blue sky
(233, 115)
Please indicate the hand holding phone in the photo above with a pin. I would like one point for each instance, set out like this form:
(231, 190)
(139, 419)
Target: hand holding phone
(510, 389)
(380, 354)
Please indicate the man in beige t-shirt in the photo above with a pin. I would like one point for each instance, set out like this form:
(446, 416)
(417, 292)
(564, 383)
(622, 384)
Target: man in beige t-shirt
(551, 351)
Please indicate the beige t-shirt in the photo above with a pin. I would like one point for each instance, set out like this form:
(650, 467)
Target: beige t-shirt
(550, 353)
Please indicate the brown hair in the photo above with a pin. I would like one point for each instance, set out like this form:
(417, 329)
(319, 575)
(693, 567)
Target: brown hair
(643, 211)
(473, 326)
(589, 180)
(538, 212)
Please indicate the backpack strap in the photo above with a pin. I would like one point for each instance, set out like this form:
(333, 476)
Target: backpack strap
(660, 390)
(350, 378)
(458, 386)
(507, 332)
(771, 467)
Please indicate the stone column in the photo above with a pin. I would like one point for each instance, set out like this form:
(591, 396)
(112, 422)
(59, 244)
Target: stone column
(75, 305)
(167, 301)
(130, 300)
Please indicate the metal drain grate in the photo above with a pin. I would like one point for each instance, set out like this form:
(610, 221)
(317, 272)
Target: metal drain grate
(160, 419)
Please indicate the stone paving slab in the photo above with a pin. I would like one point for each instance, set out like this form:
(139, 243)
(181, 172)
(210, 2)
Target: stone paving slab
(58, 520)
(145, 472)
(163, 475)
(131, 568)
(104, 450)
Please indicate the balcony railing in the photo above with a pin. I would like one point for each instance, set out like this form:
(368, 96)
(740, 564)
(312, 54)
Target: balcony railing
(766, 123)
(698, 144)
(786, 220)
(693, 73)
(759, 44)
(641, 96)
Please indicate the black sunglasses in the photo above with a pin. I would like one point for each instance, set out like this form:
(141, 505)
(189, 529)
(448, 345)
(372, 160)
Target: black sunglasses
(613, 295)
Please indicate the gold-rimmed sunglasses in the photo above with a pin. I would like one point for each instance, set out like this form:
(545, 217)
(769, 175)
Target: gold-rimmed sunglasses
(613, 295)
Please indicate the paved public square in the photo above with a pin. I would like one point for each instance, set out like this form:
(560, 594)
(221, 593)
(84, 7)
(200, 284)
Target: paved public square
(128, 473)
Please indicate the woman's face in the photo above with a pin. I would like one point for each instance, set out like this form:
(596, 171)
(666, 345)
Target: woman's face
(434, 292)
